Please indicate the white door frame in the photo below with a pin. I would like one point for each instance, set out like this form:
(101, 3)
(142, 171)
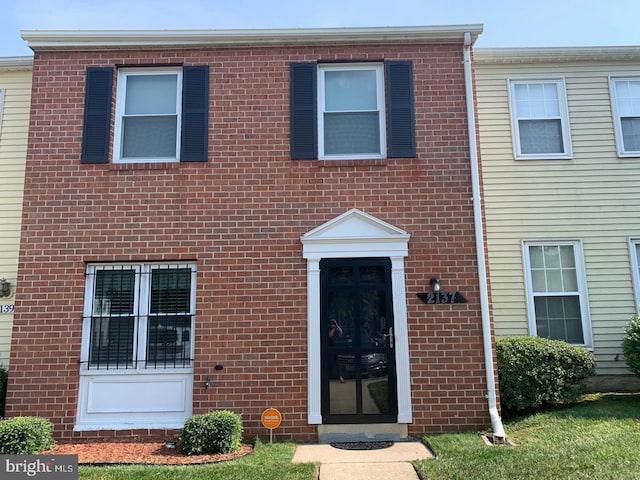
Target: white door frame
(356, 234)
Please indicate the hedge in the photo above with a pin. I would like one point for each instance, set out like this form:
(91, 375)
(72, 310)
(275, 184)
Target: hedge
(213, 432)
(535, 371)
(631, 345)
(25, 435)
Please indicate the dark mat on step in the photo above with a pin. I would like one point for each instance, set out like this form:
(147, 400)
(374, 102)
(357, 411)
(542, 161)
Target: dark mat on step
(361, 445)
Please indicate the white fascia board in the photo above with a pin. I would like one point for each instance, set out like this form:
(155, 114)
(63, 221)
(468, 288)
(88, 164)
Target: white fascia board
(504, 56)
(97, 39)
(12, 64)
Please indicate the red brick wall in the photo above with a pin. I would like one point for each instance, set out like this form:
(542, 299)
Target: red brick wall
(241, 215)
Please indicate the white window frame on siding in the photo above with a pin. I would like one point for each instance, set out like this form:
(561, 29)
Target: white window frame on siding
(634, 246)
(121, 99)
(622, 111)
(562, 115)
(580, 281)
(378, 68)
(1, 106)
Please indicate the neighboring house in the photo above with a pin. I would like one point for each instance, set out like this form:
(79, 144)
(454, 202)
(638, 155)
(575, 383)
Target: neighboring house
(15, 94)
(560, 146)
(200, 206)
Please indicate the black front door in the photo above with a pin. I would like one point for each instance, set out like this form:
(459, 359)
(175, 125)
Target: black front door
(358, 360)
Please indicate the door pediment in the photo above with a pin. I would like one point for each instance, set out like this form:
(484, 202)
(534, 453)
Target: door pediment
(355, 232)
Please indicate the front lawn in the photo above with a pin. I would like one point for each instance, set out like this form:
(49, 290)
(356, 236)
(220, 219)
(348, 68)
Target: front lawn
(266, 462)
(598, 438)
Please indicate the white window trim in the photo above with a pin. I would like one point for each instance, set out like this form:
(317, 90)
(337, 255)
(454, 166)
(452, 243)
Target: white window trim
(617, 123)
(1, 107)
(379, 69)
(635, 265)
(140, 328)
(120, 104)
(582, 286)
(564, 120)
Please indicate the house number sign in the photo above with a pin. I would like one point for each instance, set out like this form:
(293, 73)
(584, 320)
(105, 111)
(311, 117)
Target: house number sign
(441, 297)
(7, 308)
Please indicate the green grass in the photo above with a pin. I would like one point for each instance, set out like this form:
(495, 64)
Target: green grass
(266, 462)
(596, 439)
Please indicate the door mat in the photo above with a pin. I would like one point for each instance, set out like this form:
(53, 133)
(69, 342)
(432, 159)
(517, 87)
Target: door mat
(362, 445)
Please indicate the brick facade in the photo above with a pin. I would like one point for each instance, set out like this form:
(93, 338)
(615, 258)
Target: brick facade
(240, 217)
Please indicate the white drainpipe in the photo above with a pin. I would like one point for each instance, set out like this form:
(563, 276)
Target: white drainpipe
(496, 422)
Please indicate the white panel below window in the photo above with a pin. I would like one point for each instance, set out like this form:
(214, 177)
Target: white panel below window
(134, 401)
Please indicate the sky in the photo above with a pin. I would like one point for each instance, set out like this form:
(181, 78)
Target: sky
(507, 23)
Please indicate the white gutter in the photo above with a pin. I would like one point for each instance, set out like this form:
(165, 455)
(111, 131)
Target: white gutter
(101, 39)
(14, 64)
(496, 422)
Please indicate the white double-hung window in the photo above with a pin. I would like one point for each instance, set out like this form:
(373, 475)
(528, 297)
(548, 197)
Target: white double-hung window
(556, 292)
(634, 244)
(138, 316)
(148, 108)
(540, 120)
(625, 94)
(351, 113)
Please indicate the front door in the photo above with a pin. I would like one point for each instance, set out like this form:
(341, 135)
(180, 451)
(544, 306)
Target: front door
(357, 346)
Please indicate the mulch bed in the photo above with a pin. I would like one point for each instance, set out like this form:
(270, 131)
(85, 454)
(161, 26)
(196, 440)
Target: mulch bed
(107, 453)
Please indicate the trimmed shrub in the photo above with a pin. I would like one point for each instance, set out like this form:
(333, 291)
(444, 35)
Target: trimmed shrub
(631, 345)
(25, 435)
(213, 432)
(536, 371)
(4, 378)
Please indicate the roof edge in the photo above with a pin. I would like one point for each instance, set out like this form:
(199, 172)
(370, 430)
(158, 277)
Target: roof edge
(99, 39)
(503, 56)
(10, 64)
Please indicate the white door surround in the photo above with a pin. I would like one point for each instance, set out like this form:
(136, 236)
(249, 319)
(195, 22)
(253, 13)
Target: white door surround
(355, 234)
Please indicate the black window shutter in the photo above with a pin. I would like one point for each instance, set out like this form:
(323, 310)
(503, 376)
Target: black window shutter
(194, 145)
(304, 130)
(401, 137)
(97, 115)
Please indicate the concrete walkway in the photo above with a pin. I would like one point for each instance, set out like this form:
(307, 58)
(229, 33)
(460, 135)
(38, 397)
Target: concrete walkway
(383, 464)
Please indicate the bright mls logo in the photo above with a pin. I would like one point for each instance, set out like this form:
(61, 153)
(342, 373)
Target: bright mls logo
(45, 467)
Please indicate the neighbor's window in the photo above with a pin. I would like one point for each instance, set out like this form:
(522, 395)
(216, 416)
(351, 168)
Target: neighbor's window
(626, 108)
(539, 119)
(1, 103)
(351, 113)
(635, 262)
(148, 115)
(556, 292)
(139, 316)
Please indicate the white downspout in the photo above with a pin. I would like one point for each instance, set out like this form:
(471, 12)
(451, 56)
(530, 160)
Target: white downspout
(496, 422)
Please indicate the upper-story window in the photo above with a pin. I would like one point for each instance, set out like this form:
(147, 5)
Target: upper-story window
(352, 110)
(148, 115)
(626, 109)
(540, 119)
(351, 117)
(161, 115)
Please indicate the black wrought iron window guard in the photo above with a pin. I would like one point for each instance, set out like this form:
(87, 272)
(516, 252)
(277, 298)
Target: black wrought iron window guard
(139, 316)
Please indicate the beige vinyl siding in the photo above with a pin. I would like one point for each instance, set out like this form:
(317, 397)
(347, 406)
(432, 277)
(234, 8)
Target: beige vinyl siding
(15, 82)
(594, 197)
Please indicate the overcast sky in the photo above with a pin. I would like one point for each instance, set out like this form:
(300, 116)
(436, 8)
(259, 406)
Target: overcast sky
(507, 23)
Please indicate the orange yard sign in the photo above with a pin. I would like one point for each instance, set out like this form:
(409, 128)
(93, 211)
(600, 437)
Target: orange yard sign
(271, 418)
